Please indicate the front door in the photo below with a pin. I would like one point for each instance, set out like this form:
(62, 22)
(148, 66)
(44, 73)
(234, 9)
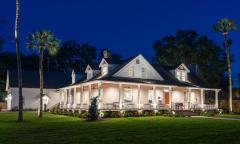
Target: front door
(166, 98)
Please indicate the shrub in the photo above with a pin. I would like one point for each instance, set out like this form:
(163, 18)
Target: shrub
(108, 114)
(148, 113)
(208, 113)
(162, 112)
(131, 114)
(93, 113)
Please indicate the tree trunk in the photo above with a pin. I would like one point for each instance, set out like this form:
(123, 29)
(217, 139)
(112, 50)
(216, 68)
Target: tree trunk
(229, 71)
(19, 65)
(41, 81)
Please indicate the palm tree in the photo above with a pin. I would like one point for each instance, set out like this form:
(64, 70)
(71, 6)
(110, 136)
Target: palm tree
(19, 65)
(224, 26)
(42, 41)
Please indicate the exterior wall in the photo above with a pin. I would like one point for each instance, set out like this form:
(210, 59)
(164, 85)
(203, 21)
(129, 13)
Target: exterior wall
(31, 98)
(110, 93)
(178, 96)
(151, 73)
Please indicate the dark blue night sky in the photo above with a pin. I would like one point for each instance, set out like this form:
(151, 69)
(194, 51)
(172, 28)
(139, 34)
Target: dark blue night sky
(127, 27)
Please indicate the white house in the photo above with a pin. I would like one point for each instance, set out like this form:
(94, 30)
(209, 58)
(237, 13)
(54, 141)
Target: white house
(135, 84)
(31, 93)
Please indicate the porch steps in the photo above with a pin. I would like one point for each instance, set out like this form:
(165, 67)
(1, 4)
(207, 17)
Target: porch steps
(187, 112)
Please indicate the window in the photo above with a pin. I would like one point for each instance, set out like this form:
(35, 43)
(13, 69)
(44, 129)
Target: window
(131, 72)
(89, 75)
(72, 96)
(150, 96)
(137, 61)
(143, 72)
(104, 70)
(181, 75)
(128, 96)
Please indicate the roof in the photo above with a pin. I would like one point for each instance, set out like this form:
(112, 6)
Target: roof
(164, 71)
(52, 80)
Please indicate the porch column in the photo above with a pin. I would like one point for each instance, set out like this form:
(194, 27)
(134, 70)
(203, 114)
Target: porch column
(99, 95)
(81, 95)
(202, 99)
(75, 96)
(216, 98)
(120, 96)
(154, 97)
(70, 96)
(65, 96)
(189, 98)
(139, 102)
(170, 97)
(90, 93)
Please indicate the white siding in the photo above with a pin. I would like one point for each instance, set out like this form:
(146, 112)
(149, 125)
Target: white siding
(150, 72)
(31, 97)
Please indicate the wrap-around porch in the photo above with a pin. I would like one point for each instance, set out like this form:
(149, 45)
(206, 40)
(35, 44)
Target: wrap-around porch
(135, 96)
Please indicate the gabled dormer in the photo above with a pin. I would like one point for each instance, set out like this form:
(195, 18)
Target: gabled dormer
(138, 67)
(91, 71)
(181, 72)
(106, 66)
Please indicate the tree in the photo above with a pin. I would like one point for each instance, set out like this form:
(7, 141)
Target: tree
(42, 41)
(19, 65)
(224, 26)
(190, 48)
(93, 112)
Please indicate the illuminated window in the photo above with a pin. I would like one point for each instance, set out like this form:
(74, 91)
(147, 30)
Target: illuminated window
(104, 70)
(131, 72)
(181, 75)
(128, 96)
(150, 96)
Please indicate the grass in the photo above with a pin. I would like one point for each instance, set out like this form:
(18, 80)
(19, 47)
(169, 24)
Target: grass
(230, 116)
(55, 129)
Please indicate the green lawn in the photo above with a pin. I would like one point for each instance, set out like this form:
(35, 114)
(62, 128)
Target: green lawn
(230, 116)
(145, 130)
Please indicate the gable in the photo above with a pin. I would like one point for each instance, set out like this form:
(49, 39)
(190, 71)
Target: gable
(88, 69)
(103, 63)
(182, 67)
(139, 67)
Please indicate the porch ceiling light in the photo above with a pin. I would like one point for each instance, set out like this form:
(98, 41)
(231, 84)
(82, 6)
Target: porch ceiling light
(166, 90)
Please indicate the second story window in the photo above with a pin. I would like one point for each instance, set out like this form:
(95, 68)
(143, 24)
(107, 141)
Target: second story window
(104, 70)
(131, 72)
(181, 75)
(143, 72)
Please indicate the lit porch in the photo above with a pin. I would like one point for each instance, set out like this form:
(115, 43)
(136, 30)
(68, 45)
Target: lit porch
(115, 96)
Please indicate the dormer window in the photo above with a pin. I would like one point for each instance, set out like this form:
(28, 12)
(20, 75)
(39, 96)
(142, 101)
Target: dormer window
(181, 75)
(89, 75)
(104, 70)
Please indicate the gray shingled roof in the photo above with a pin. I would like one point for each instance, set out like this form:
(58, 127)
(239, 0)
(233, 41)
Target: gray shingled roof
(169, 78)
(52, 80)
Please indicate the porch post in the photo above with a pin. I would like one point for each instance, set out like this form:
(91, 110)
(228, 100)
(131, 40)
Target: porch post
(170, 97)
(81, 95)
(154, 97)
(75, 96)
(216, 98)
(90, 93)
(139, 102)
(120, 95)
(189, 98)
(99, 95)
(70, 96)
(202, 99)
